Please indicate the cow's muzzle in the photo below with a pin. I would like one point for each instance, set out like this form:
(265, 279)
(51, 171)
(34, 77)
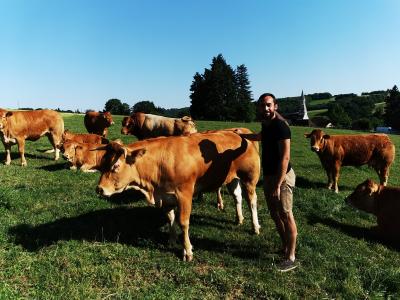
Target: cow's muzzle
(315, 149)
(100, 191)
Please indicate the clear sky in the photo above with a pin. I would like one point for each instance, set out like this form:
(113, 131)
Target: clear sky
(77, 54)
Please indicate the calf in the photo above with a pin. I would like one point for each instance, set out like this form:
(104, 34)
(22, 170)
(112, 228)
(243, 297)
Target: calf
(83, 137)
(82, 156)
(335, 151)
(147, 126)
(168, 171)
(98, 122)
(18, 126)
(383, 202)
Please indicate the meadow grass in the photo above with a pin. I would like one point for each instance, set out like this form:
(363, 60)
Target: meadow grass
(59, 240)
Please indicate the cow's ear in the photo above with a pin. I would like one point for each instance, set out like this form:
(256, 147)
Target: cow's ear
(9, 114)
(133, 156)
(307, 135)
(326, 136)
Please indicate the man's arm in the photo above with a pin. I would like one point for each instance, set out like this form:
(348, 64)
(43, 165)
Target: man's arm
(284, 151)
(250, 136)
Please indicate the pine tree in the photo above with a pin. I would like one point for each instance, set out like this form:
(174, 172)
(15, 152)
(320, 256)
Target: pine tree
(214, 94)
(245, 109)
(392, 109)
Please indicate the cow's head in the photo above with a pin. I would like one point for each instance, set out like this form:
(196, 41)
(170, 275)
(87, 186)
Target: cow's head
(3, 118)
(107, 118)
(317, 139)
(126, 125)
(363, 196)
(68, 149)
(185, 125)
(116, 168)
(66, 135)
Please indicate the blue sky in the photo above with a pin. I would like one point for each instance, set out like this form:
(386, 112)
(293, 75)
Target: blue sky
(78, 54)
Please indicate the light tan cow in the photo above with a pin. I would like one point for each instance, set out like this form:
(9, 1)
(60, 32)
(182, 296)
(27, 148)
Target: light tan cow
(82, 156)
(335, 151)
(168, 171)
(383, 202)
(18, 126)
(145, 126)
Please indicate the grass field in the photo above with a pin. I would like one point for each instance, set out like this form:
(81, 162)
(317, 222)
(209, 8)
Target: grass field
(59, 240)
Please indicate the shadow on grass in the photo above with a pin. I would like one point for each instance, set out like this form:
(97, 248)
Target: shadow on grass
(368, 234)
(304, 182)
(124, 225)
(138, 227)
(54, 167)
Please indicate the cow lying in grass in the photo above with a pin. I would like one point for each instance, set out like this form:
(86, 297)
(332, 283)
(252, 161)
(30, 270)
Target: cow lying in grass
(83, 137)
(82, 156)
(383, 202)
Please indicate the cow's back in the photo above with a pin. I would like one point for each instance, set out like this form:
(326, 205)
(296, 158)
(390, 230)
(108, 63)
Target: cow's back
(208, 159)
(33, 124)
(357, 150)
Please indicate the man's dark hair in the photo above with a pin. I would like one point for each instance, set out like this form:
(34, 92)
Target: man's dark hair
(261, 98)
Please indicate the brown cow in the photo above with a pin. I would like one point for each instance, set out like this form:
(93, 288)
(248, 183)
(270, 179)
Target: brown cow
(83, 137)
(335, 151)
(168, 171)
(82, 156)
(383, 202)
(18, 126)
(98, 122)
(147, 126)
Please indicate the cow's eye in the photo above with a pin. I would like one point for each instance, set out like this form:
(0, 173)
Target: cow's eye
(116, 167)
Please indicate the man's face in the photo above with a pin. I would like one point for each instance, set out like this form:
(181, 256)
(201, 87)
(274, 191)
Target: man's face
(267, 107)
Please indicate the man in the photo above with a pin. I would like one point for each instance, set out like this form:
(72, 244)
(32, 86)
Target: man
(279, 177)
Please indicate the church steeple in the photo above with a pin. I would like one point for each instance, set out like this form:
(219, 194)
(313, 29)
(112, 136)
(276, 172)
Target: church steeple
(304, 108)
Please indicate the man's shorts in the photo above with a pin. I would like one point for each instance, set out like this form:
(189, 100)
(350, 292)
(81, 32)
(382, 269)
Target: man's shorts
(285, 203)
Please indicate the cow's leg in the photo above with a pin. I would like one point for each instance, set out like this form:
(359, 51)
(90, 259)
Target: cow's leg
(335, 175)
(55, 142)
(330, 177)
(21, 150)
(8, 153)
(170, 212)
(184, 210)
(251, 198)
(383, 174)
(236, 191)
(220, 201)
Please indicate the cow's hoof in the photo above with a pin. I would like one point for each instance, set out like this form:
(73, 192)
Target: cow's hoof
(7, 163)
(188, 258)
(239, 221)
(257, 230)
(24, 164)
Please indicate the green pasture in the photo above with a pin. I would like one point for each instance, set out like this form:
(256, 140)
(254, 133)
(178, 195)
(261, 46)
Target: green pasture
(59, 240)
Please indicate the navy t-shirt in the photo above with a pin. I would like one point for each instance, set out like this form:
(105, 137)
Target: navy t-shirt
(275, 131)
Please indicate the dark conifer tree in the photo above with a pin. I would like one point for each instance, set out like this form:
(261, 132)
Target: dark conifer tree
(392, 109)
(245, 110)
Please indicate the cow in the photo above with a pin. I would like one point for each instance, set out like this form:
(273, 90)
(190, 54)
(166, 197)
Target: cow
(145, 126)
(170, 170)
(98, 122)
(383, 202)
(82, 156)
(335, 151)
(83, 137)
(18, 126)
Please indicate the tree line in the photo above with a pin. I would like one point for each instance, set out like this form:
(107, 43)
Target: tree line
(222, 93)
